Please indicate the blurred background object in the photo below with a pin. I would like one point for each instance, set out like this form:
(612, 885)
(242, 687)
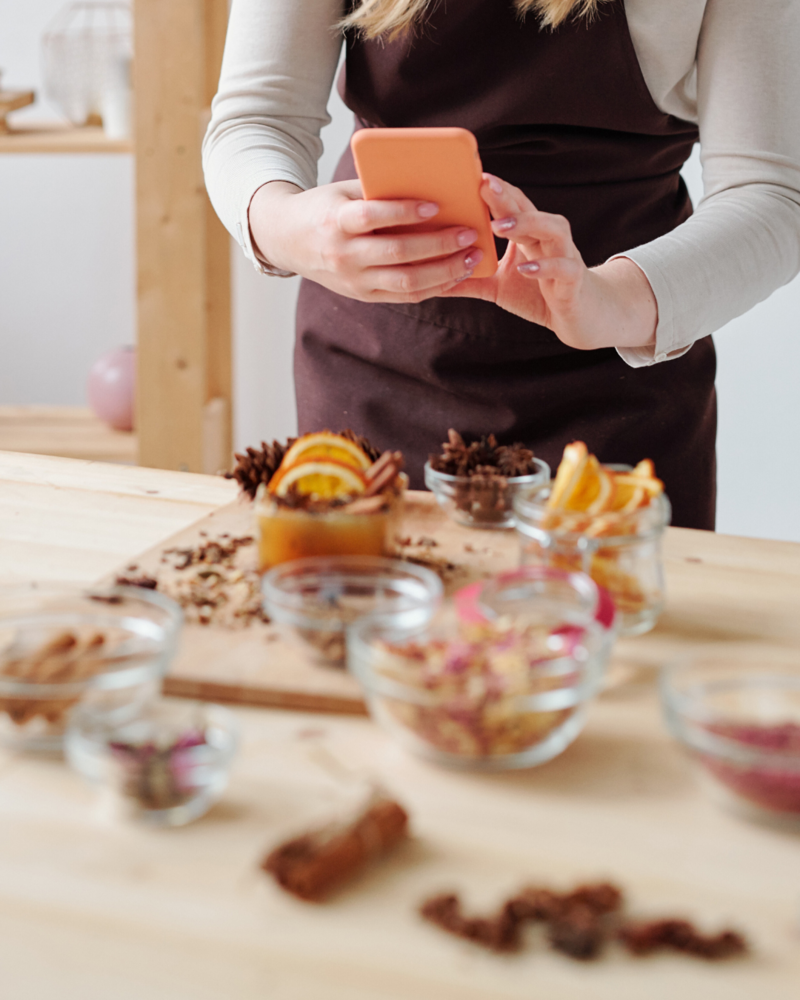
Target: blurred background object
(111, 388)
(86, 53)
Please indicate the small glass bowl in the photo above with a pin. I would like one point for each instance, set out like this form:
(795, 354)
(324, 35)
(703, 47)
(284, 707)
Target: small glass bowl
(318, 599)
(52, 659)
(485, 699)
(621, 552)
(166, 767)
(736, 708)
(368, 528)
(481, 502)
(537, 593)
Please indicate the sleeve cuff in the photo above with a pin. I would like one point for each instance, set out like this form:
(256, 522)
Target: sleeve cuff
(242, 233)
(667, 346)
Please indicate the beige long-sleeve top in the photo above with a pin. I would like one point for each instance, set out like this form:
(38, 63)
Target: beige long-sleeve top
(732, 66)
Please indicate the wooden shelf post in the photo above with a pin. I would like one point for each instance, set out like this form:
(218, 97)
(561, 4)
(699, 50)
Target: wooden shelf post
(183, 291)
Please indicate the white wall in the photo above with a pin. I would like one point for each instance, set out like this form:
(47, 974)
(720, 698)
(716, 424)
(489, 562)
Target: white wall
(66, 243)
(67, 294)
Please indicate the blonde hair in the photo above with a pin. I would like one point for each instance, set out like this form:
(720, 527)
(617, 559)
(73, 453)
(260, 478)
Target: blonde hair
(372, 18)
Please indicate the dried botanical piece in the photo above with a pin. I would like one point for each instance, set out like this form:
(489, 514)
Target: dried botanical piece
(210, 581)
(579, 924)
(575, 919)
(66, 658)
(769, 784)
(680, 935)
(419, 551)
(259, 465)
(476, 692)
(158, 776)
(486, 468)
(589, 503)
(483, 456)
(143, 580)
(313, 865)
(498, 933)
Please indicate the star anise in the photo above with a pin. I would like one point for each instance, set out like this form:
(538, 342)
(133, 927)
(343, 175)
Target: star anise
(482, 457)
(514, 460)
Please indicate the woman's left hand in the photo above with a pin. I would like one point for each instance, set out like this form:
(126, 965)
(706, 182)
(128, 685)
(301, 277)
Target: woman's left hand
(542, 277)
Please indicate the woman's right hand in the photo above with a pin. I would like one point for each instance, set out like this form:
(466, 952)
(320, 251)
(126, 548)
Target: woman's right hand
(328, 234)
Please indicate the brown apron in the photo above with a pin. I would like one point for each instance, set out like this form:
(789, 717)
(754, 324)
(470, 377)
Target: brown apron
(566, 116)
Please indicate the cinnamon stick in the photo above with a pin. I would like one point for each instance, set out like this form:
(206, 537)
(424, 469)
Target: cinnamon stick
(312, 865)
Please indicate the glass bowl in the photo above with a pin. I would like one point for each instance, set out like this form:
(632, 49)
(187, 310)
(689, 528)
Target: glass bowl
(317, 600)
(166, 767)
(736, 708)
(483, 698)
(482, 501)
(64, 645)
(535, 593)
(366, 527)
(620, 552)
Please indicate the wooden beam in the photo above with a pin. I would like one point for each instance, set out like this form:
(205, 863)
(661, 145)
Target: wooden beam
(182, 250)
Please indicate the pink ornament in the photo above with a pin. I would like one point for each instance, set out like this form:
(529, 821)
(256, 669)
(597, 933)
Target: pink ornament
(112, 388)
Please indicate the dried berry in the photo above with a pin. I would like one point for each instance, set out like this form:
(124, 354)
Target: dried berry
(498, 933)
(680, 935)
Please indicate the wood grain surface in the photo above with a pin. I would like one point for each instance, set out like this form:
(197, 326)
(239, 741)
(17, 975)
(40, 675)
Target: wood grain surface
(63, 519)
(92, 909)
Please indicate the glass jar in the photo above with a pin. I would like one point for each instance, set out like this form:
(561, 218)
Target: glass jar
(482, 501)
(620, 551)
(165, 767)
(366, 527)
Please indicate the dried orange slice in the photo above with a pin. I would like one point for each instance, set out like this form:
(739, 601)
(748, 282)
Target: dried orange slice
(325, 479)
(323, 446)
(593, 491)
(630, 494)
(570, 470)
(645, 469)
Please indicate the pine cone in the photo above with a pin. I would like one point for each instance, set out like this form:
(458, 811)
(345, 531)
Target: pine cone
(369, 449)
(258, 465)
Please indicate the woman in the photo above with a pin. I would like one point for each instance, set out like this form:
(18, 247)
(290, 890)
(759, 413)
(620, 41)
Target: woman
(597, 323)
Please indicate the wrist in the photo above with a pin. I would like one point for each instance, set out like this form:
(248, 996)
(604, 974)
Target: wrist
(630, 302)
(263, 216)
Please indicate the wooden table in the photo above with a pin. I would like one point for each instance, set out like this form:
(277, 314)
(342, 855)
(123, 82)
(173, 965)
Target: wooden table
(93, 910)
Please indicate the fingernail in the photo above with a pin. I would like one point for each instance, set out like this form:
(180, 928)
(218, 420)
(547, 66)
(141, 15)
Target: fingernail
(467, 237)
(473, 258)
(495, 185)
(529, 267)
(503, 225)
(426, 209)
(464, 277)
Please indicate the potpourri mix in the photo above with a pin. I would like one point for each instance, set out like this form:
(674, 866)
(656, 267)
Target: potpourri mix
(475, 689)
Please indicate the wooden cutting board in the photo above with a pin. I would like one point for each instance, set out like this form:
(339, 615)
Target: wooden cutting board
(718, 589)
(257, 665)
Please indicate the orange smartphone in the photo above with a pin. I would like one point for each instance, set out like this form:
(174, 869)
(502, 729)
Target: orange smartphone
(432, 164)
